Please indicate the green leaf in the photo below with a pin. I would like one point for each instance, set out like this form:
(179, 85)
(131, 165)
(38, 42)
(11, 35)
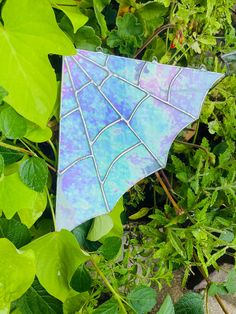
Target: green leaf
(86, 38)
(176, 243)
(3, 92)
(142, 299)
(15, 195)
(110, 247)
(167, 306)
(101, 226)
(12, 125)
(98, 6)
(108, 307)
(72, 11)
(190, 303)
(128, 36)
(230, 284)
(25, 42)
(81, 280)
(36, 300)
(140, 214)
(58, 255)
(75, 303)
(36, 134)
(14, 231)
(81, 233)
(34, 173)
(10, 156)
(217, 289)
(117, 229)
(17, 271)
(1, 166)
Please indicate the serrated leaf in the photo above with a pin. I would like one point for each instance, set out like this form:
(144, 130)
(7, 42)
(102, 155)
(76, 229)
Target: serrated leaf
(17, 271)
(98, 6)
(34, 32)
(36, 300)
(167, 306)
(34, 173)
(108, 307)
(142, 299)
(81, 280)
(190, 303)
(15, 195)
(65, 254)
(86, 38)
(110, 247)
(10, 156)
(72, 11)
(217, 289)
(14, 231)
(176, 243)
(12, 125)
(100, 227)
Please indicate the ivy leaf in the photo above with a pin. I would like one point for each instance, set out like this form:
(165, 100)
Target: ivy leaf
(110, 247)
(72, 11)
(108, 307)
(128, 36)
(190, 303)
(142, 299)
(81, 280)
(58, 255)
(37, 300)
(26, 39)
(98, 6)
(15, 195)
(17, 271)
(87, 39)
(12, 125)
(14, 231)
(100, 227)
(34, 173)
(167, 306)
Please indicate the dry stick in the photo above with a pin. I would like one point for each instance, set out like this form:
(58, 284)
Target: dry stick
(178, 210)
(217, 297)
(166, 180)
(150, 39)
(23, 150)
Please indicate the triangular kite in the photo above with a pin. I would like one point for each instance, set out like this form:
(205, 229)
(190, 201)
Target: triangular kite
(119, 117)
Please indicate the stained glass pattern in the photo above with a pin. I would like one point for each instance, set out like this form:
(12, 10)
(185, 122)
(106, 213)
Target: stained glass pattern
(119, 117)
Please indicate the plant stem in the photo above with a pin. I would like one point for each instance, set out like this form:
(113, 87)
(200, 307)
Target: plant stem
(54, 150)
(178, 210)
(51, 208)
(193, 145)
(150, 39)
(109, 286)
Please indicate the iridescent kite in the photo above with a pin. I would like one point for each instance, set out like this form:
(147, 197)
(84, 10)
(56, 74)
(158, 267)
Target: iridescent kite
(119, 117)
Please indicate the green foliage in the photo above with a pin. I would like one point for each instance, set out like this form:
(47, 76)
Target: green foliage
(117, 275)
(17, 271)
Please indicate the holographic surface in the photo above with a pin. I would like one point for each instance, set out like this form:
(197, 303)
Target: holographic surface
(119, 117)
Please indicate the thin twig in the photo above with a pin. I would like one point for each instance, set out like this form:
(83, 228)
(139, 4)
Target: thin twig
(166, 180)
(178, 210)
(153, 36)
(193, 145)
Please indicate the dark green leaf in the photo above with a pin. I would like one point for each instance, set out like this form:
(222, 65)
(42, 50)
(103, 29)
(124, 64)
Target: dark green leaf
(1, 165)
(81, 280)
(10, 156)
(85, 38)
(167, 306)
(34, 173)
(110, 248)
(12, 125)
(190, 303)
(14, 231)
(3, 92)
(37, 301)
(231, 282)
(142, 299)
(109, 307)
(98, 6)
